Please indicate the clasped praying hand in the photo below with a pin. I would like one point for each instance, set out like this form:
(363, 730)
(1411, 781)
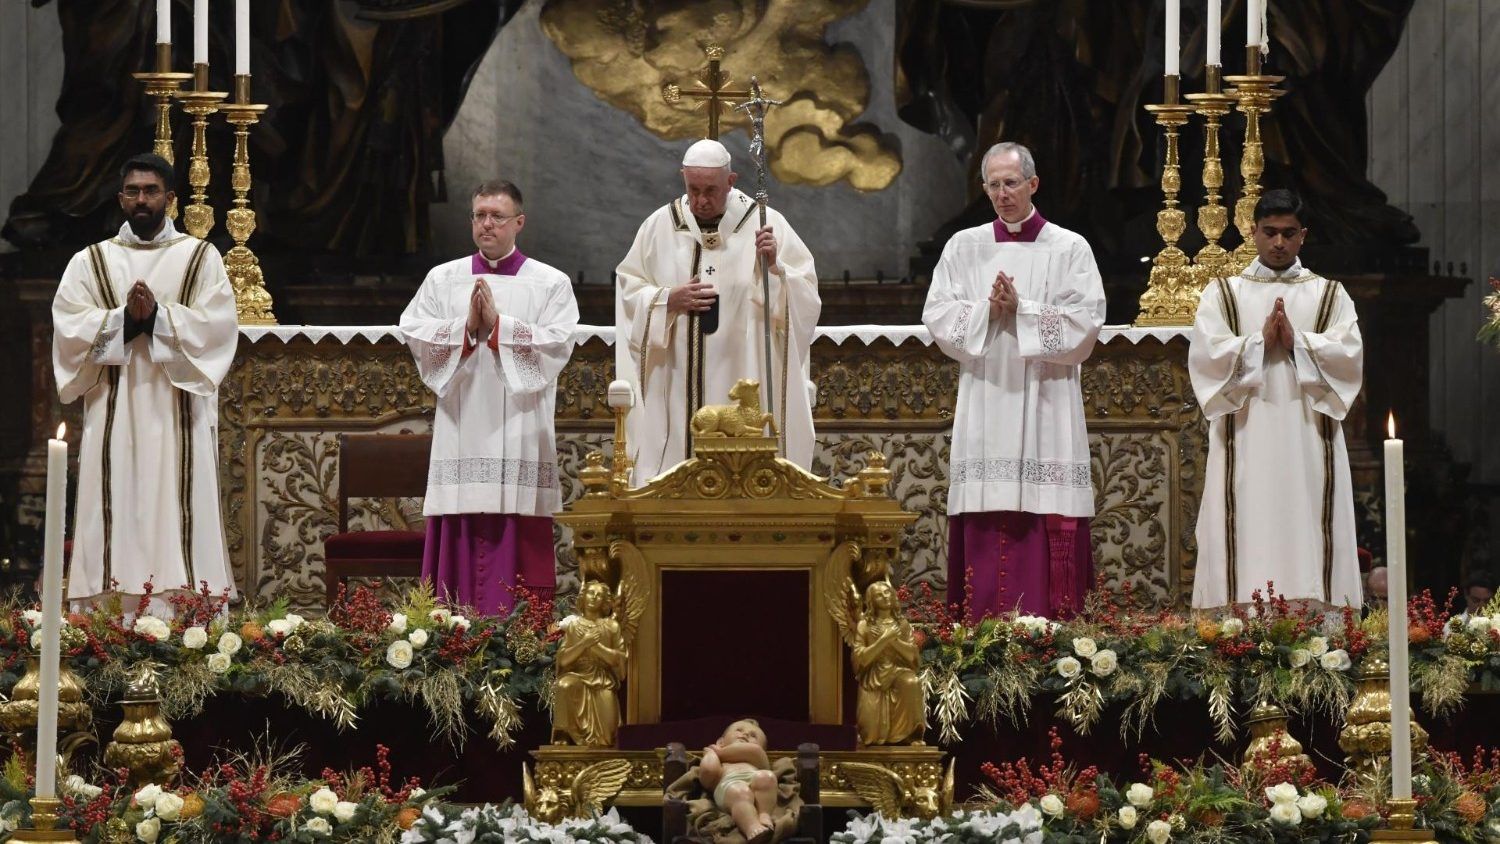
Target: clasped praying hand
(1278, 331)
(1003, 298)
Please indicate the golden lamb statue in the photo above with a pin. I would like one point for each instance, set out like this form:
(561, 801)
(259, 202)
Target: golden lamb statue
(742, 419)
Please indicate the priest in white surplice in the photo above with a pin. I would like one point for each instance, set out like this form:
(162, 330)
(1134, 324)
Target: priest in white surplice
(689, 319)
(1276, 362)
(143, 330)
(490, 333)
(1018, 303)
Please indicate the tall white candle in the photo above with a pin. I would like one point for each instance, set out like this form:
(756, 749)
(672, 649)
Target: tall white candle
(1255, 17)
(164, 21)
(1395, 553)
(200, 31)
(52, 598)
(1214, 21)
(242, 37)
(1174, 34)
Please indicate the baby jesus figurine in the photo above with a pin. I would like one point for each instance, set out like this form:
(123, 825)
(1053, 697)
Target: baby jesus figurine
(738, 772)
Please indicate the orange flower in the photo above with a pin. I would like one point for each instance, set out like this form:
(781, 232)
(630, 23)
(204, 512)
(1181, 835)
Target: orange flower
(283, 805)
(919, 637)
(408, 816)
(251, 632)
(1208, 631)
(78, 619)
(1084, 804)
(1209, 817)
(1418, 634)
(1470, 807)
(192, 807)
(1356, 809)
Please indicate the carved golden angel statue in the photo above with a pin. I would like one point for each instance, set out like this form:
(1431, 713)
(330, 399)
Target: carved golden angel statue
(883, 648)
(892, 796)
(592, 659)
(592, 787)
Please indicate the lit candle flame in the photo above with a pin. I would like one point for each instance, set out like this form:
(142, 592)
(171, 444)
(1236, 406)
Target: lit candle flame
(1390, 425)
(62, 431)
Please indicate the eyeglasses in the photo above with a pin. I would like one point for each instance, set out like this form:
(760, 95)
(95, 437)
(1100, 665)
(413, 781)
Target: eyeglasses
(498, 219)
(1009, 185)
(149, 191)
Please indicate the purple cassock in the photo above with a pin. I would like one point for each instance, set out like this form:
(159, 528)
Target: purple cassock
(478, 559)
(1033, 563)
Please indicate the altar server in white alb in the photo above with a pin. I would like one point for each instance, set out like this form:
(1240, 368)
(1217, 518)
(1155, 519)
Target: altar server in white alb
(490, 333)
(689, 316)
(143, 330)
(1018, 303)
(1276, 361)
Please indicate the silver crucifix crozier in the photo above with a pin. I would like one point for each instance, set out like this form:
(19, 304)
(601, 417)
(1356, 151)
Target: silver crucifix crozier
(756, 107)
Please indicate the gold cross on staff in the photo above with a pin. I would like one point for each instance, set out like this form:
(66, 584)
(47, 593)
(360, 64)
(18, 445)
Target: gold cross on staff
(712, 88)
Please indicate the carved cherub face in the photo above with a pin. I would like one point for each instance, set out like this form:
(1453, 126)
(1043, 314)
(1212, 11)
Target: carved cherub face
(745, 730)
(594, 600)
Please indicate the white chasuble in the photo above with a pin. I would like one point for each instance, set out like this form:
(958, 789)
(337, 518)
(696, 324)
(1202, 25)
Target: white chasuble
(1019, 441)
(148, 469)
(674, 367)
(493, 444)
(1278, 505)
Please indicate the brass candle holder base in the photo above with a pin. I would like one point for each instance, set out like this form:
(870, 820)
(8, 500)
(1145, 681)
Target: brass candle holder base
(1171, 296)
(251, 299)
(1213, 260)
(1255, 94)
(1403, 817)
(198, 217)
(43, 823)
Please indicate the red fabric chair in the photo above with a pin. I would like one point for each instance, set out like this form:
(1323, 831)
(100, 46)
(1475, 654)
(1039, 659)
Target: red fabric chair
(376, 466)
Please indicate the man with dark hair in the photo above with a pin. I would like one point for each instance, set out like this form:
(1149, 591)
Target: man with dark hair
(490, 333)
(144, 330)
(1276, 362)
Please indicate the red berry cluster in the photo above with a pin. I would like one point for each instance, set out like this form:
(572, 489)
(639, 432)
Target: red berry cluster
(1422, 611)
(1018, 783)
(362, 615)
(379, 779)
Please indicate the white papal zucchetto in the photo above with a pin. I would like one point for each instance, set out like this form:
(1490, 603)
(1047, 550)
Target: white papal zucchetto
(706, 153)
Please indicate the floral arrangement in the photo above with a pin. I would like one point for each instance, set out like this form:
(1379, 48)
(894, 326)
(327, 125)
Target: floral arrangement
(417, 650)
(1490, 331)
(512, 825)
(984, 826)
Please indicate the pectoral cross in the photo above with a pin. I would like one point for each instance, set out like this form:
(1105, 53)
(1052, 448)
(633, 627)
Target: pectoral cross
(712, 89)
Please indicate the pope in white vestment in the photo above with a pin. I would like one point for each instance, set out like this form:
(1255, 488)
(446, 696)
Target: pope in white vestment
(1018, 303)
(490, 333)
(1276, 362)
(689, 315)
(144, 329)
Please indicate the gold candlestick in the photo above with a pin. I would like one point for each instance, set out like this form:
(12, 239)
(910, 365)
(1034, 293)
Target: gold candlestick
(198, 218)
(163, 85)
(1403, 817)
(250, 297)
(1212, 261)
(1255, 93)
(43, 824)
(1171, 298)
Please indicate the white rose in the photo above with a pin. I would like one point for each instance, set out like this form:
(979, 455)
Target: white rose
(1069, 667)
(1140, 795)
(230, 643)
(148, 829)
(1085, 647)
(1127, 817)
(416, 794)
(399, 654)
(152, 627)
(168, 806)
(1301, 657)
(218, 663)
(441, 616)
(343, 811)
(1312, 805)
(1052, 805)
(80, 787)
(1335, 660)
(321, 826)
(1479, 624)
(459, 622)
(33, 617)
(1103, 663)
(1282, 793)
(323, 800)
(1159, 832)
(146, 797)
(195, 638)
(279, 627)
(295, 620)
(417, 637)
(1317, 646)
(1231, 626)
(1286, 813)
(398, 623)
